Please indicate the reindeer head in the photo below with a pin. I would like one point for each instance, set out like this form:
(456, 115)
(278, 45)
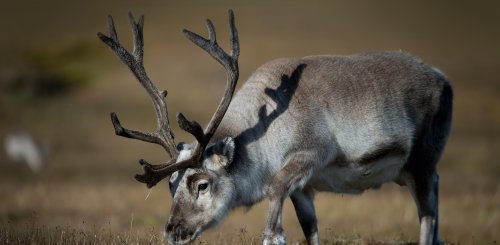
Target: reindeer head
(201, 196)
(199, 182)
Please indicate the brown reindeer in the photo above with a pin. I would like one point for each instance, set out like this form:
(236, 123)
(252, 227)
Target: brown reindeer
(331, 123)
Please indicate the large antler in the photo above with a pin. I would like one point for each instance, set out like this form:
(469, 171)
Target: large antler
(163, 135)
(230, 63)
(155, 173)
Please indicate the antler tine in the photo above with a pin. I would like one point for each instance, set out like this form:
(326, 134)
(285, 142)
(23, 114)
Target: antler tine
(235, 43)
(163, 135)
(137, 30)
(210, 45)
(155, 173)
(191, 127)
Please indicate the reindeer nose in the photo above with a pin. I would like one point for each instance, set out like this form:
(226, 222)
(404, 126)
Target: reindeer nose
(170, 234)
(174, 229)
(175, 232)
(170, 227)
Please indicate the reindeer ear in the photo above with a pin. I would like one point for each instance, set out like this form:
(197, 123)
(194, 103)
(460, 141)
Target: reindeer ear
(221, 155)
(227, 149)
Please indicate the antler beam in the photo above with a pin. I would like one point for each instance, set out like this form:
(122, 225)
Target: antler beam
(228, 61)
(163, 135)
(154, 173)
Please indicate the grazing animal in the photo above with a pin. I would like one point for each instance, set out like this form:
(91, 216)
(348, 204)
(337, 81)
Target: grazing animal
(331, 123)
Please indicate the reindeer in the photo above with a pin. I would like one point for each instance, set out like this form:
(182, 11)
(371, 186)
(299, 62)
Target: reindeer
(339, 124)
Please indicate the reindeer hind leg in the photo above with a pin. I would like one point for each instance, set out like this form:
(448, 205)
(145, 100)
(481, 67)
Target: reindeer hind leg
(420, 173)
(425, 192)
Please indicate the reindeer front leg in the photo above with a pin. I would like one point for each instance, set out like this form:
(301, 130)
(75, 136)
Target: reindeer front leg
(303, 201)
(293, 176)
(273, 233)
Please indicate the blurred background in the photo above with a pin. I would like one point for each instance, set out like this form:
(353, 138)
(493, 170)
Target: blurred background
(65, 175)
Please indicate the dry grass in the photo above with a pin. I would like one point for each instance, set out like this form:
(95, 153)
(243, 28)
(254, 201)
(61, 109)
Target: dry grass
(86, 194)
(115, 211)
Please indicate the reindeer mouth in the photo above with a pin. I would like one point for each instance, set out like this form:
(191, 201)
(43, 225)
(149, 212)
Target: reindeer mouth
(180, 239)
(180, 242)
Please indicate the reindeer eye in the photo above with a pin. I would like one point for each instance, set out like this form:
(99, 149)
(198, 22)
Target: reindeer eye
(202, 186)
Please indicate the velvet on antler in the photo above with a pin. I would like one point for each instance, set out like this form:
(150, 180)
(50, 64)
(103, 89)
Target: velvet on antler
(163, 135)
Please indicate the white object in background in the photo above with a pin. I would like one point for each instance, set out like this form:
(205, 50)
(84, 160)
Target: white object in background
(21, 147)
